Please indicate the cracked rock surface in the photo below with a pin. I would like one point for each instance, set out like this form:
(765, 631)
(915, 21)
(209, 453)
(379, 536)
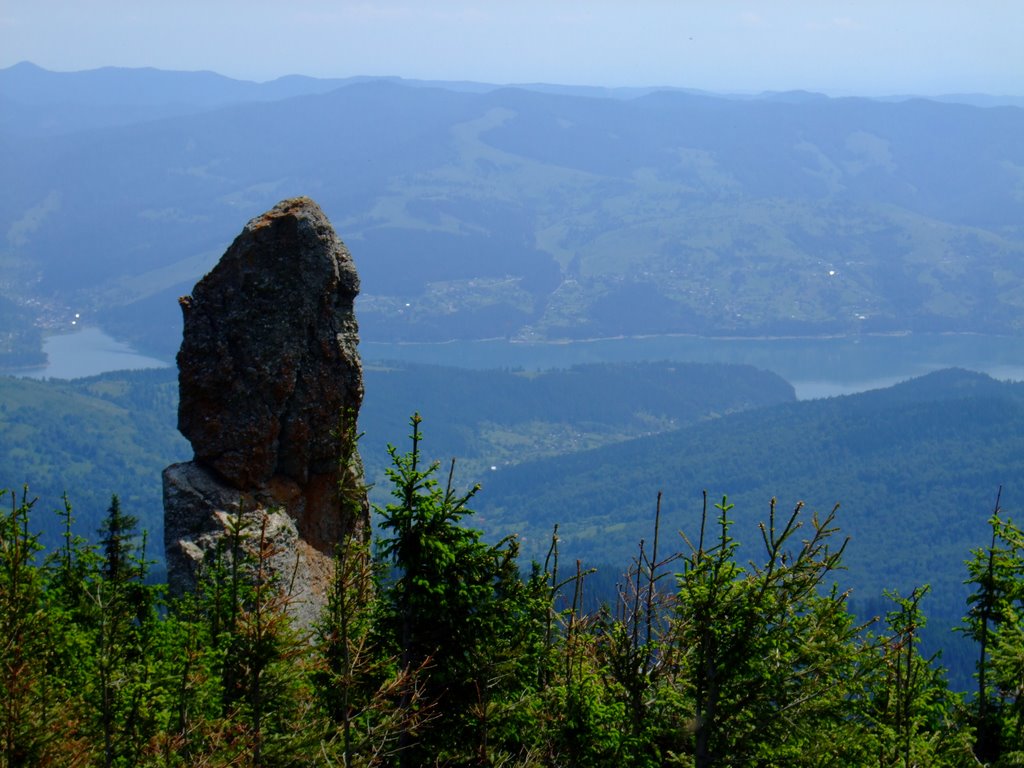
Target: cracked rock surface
(269, 374)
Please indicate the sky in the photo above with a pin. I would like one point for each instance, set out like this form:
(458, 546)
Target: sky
(840, 47)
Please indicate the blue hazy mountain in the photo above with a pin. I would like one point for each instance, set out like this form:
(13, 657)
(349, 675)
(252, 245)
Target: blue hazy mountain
(474, 211)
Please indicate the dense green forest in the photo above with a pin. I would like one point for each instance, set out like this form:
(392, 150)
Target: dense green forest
(116, 432)
(915, 467)
(436, 648)
(92, 438)
(500, 418)
(917, 462)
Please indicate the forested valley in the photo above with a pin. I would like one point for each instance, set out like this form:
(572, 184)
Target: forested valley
(744, 631)
(439, 648)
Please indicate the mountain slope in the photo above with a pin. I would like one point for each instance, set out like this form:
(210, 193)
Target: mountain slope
(915, 468)
(516, 213)
(490, 419)
(116, 432)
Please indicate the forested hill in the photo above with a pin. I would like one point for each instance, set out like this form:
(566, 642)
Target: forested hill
(437, 648)
(92, 438)
(915, 467)
(116, 432)
(499, 418)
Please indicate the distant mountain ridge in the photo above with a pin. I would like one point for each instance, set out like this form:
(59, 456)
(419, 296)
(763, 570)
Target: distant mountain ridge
(29, 83)
(479, 212)
(119, 86)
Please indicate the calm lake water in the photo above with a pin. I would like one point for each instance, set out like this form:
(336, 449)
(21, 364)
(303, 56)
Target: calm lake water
(89, 352)
(815, 367)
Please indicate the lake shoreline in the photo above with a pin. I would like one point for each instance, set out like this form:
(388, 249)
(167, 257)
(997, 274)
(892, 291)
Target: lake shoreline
(565, 341)
(89, 351)
(816, 366)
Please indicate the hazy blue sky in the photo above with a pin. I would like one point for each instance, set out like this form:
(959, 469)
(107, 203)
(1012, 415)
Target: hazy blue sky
(867, 47)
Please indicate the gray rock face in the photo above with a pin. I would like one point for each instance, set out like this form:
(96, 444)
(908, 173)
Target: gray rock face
(268, 368)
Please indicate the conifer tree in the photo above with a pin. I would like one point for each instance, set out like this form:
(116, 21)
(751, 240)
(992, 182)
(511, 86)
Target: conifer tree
(766, 652)
(451, 601)
(995, 620)
(257, 657)
(27, 717)
(910, 715)
(345, 647)
(123, 625)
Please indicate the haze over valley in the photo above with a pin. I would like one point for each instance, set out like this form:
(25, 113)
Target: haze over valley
(527, 214)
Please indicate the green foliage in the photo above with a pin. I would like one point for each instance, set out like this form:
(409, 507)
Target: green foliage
(995, 621)
(914, 720)
(113, 620)
(767, 651)
(29, 719)
(441, 649)
(921, 449)
(918, 451)
(454, 605)
(100, 435)
(251, 673)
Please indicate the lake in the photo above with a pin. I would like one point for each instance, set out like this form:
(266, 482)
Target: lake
(822, 367)
(88, 352)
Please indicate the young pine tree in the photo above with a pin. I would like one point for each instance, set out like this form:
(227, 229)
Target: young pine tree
(453, 606)
(995, 620)
(767, 652)
(124, 621)
(910, 718)
(29, 718)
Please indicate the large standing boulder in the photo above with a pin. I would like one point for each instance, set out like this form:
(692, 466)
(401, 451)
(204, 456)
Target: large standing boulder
(270, 385)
